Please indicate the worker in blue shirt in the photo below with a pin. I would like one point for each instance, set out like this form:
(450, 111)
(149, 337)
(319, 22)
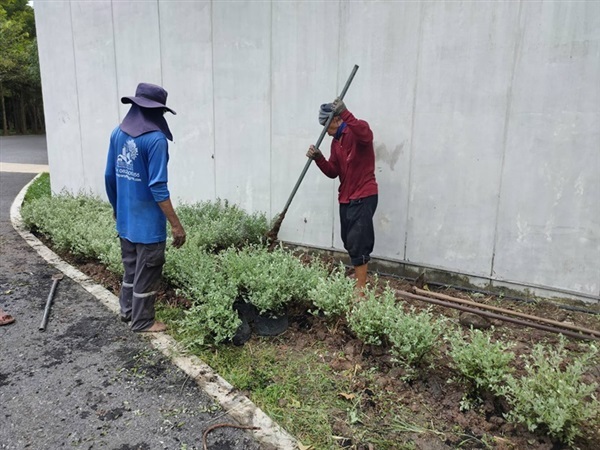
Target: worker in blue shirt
(136, 186)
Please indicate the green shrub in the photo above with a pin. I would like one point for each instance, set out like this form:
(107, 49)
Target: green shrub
(211, 321)
(483, 364)
(373, 318)
(84, 226)
(192, 270)
(218, 225)
(268, 280)
(378, 319)
(552, 395)
(80, 224)
(333, 295)
(414, 336)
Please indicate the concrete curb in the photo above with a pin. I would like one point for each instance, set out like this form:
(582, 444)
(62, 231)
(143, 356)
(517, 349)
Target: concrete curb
(23, 168)
(234, 403)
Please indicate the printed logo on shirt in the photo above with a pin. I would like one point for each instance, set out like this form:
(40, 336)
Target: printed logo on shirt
(125, 161)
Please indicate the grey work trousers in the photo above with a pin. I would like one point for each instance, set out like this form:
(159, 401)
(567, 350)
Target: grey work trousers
(143, 265)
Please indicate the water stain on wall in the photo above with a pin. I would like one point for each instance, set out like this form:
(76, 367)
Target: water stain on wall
(382, 154)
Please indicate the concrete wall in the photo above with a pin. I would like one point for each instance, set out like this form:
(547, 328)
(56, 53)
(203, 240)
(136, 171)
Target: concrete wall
(486, 118)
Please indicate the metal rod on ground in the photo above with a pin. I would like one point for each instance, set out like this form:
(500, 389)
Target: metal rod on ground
(505, 311)
(272, 235)
(494, 316)
(56, 278)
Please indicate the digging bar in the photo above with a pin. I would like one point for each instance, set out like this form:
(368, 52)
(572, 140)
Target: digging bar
(492, 315)
(56, 278)
(272, 235)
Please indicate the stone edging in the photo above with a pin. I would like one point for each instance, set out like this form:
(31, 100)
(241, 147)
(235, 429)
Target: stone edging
(232, 401)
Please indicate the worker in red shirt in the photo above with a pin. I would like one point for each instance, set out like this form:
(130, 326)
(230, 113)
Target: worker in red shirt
(352, 159)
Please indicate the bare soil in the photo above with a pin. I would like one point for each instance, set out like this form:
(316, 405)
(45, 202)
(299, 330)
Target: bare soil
(434, 398)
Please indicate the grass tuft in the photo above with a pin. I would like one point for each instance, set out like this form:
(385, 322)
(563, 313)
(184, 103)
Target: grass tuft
(40, 188)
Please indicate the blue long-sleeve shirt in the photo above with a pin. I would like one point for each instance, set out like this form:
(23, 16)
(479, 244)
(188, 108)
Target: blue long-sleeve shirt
(136, 180)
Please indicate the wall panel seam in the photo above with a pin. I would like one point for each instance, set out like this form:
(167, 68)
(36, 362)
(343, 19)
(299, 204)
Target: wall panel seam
(271, 113)
(337, 77)
(412, 129)
(160, 43)
(77, 94)
(114, 39)
(516, 51)
(212, 72)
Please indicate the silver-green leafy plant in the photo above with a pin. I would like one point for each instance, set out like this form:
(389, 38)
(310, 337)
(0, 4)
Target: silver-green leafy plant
(268, 279)
(84, 226)
(552, 396)
(214, 226)
(373, 317)
(414, 336)
(192, 270)
(332, 296)
(80, 224)
(211, 321)
(483, 364)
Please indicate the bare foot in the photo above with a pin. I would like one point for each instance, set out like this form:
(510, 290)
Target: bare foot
(5, 318)
(157, 327)
(359, 295)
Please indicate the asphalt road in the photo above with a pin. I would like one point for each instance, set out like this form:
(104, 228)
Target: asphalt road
(87, 381)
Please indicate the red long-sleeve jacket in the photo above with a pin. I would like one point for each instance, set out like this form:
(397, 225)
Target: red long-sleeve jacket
(352, 159)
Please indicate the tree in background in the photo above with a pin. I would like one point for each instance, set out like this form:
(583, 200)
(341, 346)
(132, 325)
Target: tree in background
(20, 85)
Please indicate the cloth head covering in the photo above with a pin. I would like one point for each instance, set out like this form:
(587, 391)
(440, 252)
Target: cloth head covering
(324, 112)
(149, 96)
(146, 113)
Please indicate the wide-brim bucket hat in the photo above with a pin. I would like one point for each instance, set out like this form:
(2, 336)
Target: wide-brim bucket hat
(149, 96)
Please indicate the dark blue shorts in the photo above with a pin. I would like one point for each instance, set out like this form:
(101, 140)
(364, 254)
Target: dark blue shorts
(358, 234)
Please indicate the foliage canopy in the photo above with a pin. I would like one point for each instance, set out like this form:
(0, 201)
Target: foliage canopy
(20, 85)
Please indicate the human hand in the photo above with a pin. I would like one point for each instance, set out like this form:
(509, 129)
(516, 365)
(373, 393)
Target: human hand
(338, 106)
(314, 153)
(178, 236)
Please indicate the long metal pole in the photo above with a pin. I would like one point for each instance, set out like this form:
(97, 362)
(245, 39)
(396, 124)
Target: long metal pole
(56, 278)
(323, 132)
(495, 316)
(272, 234)
(505, 311)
